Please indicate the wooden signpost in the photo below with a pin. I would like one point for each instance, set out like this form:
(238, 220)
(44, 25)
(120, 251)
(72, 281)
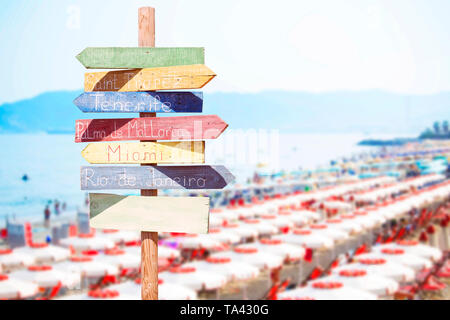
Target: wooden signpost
(149, 79)
(161, 102)
(177, 214)
(167, 128)
(133, 58)
(155, 177)
(129, 90)
(145, 152)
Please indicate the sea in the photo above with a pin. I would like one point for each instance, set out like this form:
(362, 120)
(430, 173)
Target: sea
(52, 164)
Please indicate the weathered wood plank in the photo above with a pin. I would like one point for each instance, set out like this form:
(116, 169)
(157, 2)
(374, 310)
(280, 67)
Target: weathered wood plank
(145, 152)
(160, 102)
(149, 79)
(143, 57)
(167, 128)
(162, 214)
(158, 177)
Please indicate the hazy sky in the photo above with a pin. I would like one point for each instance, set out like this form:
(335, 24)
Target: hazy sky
(321, 45)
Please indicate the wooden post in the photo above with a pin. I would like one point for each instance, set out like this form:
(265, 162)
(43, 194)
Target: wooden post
(149, 245)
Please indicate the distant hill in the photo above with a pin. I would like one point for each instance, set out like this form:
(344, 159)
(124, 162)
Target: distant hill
(335, 112)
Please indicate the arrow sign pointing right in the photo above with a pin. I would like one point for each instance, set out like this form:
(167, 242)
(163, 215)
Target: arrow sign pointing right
(167, 128)
(158, 177)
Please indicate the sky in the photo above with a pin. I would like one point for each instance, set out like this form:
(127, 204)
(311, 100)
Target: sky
(400, 46)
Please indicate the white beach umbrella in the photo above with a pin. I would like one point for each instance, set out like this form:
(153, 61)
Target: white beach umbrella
(242, 231)
(399, 256)
(87, 267)
(10, 259)
(121, 259)
(361, 279)
(279, 222)
(328, 231)
(341, 224)
(322, 290)
(88, 242)
(297, 219)
(101, 294)
(166, 291)
(44, 253)
(119, 237)
(289, 252)
(45, 276)
(232, 270)
(306, 238)
(194, 279)
(312, 215)
(251, 255)
(382, 267)
(223, 237)
(413, 247)
(263, 228)
(197, 241)
(16, 289)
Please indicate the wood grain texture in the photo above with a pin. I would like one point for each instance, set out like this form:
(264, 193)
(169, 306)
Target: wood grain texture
(167, 128)
(149, 79)
(160, 102)
(149, 244)
(134, 58)
(145, 152)
(160, 177)
(161, 214)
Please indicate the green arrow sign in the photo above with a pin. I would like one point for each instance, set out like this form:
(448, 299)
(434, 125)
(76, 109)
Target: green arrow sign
(144, 57)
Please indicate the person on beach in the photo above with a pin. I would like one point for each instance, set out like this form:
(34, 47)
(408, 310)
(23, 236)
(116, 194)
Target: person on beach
(64, 206)
(47, 216)
(56, 205)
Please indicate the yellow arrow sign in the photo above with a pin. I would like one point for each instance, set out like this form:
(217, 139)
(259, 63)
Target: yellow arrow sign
(165, 78)
(145, 152)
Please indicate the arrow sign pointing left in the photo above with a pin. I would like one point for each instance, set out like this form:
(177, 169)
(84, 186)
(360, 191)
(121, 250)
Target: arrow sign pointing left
(134, 58)
(167, 128)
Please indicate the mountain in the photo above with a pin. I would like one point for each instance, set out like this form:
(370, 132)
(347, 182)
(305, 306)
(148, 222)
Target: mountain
(333, 112)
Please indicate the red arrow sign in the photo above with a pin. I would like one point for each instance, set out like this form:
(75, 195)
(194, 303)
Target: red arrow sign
(164, 128)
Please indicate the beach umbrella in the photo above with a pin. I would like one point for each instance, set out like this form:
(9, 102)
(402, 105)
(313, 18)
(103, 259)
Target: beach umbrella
(101, 294)
(312, 215)
(333, 233)
(196, 242)
(297, 219)
(10, 259)
(119, 237)
(87, 267)
(399, 256)
(361, 279)
(413, 247)
(216, 221)
(263, 228)
(288, 252)
(327, 290)
(45, 276)
(223, 237)
(44, 252)
(382, 267)
(121, 259)
(279, 222)
(232, 270)
(166, 291)
(306, 238)
(193, 278)
(87, 242)
(251, 255)
(16, 289)
(347, 226)
(244, 232)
